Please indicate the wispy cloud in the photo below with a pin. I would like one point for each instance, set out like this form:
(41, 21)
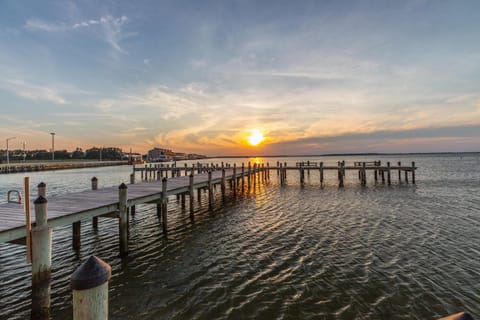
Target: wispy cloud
(32, 91)
(35, 24)
(112, 28)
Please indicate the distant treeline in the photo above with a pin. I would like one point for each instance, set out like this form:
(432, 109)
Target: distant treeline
(94, 153)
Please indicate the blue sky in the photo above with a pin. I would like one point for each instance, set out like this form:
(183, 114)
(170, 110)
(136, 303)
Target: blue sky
(198, 76)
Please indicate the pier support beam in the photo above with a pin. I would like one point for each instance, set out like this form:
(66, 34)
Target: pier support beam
(76, 235)
(413, 172)
(340, 175)
(321, 173)
(94, 182)
(389, 175)
(234, 178)
(164, 205)
(41, 261)
(399, 172)
(190, 193)
(123, 221)
(222, 183)
(210, 189)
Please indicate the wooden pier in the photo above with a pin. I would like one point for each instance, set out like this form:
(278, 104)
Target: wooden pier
(154, 188)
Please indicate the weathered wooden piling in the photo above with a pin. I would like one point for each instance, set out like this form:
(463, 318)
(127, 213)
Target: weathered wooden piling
(413, 172)
(164, 205)
(243, 175)
(399, 172)
(76, 235)
(41, 261)
(340, 175)
(234, 178)
(389, 178)
(210, 189)
(90, 290)
(28, 223)
(190, 193)
(123, 218)
(222, 183)
(94, 182)
(321, 173)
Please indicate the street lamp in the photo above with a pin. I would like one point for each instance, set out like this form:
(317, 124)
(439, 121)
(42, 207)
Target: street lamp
(53, 145)
(8, 139)
(24, 153)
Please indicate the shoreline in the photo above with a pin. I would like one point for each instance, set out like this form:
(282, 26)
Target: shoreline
(19, 167)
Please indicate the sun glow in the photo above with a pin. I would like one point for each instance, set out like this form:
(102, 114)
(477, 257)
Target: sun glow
(255, 138)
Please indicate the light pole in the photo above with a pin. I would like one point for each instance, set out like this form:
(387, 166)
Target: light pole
(24, 153)
(8, 139)
(53, 145)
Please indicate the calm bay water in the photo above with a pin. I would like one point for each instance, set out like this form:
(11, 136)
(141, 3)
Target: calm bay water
(279, 252)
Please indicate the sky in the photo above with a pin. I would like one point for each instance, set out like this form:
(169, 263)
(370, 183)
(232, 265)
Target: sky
(313, 77)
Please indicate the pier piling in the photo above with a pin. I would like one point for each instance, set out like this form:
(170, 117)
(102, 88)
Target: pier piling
(190, 193)
(164, 205)
(123, 221)
(42, 189)
(90, 290)
(41, 261)
(389, 180)
(94, 182)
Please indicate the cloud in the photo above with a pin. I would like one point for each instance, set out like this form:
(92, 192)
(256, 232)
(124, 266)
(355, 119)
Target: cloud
(35, 24)
(86, 23)
(32, 91)
(112, 28)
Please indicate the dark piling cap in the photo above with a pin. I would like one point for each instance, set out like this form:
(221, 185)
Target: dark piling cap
(122, 186)
(40, 200)
(164, 180)
(94, 179)
(92, 273)
(41, 185)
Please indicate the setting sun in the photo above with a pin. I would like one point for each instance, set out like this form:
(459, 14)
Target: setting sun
(255, 138)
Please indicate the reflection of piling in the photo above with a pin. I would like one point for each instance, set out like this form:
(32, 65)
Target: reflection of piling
(90, 290)
(41, 261)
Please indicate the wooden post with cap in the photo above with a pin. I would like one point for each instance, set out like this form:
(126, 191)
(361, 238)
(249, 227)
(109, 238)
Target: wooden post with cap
(41, 261)
(90, 289)
(94, 182)
(123, 215)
